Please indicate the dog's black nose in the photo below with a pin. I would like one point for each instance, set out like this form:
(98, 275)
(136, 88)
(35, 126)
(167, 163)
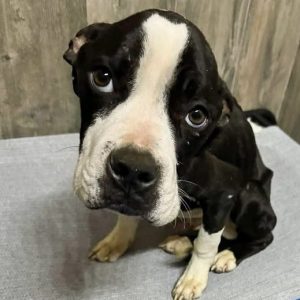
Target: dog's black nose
(133, 169)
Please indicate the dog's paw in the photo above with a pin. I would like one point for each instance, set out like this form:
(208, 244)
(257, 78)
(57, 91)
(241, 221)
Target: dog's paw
(225, 261)
(181, 246)
(110, 248)
(188, 288)
(192, 282)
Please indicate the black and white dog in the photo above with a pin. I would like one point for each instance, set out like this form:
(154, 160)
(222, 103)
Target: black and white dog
(161, 133)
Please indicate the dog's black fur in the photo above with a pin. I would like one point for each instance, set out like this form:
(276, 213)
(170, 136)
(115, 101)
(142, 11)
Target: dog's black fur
(220, 168)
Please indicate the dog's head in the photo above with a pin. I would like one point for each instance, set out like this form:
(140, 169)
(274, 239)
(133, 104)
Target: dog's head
(150, 98)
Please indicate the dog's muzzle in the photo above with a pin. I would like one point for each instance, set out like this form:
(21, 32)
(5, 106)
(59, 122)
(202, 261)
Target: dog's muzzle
(130, 183)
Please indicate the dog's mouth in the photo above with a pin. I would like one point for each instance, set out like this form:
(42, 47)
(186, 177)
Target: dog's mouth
(135, 207)
(125, 204)
(153, 204)
(120, 208)
(125, 210)
(130, 201)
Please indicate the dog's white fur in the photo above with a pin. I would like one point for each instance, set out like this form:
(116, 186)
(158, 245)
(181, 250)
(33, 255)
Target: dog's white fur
(141, 121)
(194, 279)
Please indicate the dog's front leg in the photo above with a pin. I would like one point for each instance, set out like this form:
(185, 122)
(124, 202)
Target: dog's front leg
(194, 279)
(216, 209)
(117, 241)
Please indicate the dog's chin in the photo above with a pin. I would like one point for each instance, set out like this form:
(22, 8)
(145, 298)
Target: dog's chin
(93, 205)
(161, 219)
(125, 210)
(116, 208)
(129, 211)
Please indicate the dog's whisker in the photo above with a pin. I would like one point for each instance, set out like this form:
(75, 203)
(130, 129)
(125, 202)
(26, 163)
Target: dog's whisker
(187, 181)
(175, 222)
(65, 148)
(184, 194)
(182, 214)
(186, 206)
(183, 218)
(188, 210)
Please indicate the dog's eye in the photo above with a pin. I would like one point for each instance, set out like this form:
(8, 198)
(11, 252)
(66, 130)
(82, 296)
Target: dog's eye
(197, 118)
(101, 80)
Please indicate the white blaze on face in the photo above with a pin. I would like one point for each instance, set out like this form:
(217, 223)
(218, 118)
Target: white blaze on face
(141, 120)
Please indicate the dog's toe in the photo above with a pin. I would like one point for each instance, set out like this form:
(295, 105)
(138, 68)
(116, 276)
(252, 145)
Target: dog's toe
(192, 282)
(188, 289)
(108, 250)
(181, 246)
(225, 261)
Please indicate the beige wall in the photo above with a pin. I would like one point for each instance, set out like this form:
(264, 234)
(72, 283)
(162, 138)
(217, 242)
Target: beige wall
(256, 43)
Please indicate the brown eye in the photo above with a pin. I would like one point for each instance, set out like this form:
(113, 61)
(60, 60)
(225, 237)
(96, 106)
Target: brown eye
(101, 80)
(196, 118)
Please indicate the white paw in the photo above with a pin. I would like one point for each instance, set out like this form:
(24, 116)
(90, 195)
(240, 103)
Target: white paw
(110, 248)
(181, 246)
(225, 261)
(193, 281)
(188, 288)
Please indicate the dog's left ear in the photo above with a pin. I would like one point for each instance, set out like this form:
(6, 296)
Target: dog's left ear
(85, 35)
(228, 102)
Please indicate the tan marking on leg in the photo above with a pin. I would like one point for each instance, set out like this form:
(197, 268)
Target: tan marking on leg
(116, 242)
(230, 232)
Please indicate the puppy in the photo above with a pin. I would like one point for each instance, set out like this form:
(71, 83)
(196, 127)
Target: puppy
(161, 133)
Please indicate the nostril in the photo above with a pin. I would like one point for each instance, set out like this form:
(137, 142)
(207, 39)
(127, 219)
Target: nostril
(132, 169)
(118, 168)
(121, 169)
(146, 177)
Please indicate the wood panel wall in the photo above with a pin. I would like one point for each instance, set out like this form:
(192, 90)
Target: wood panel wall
(256, 44)
(35, 88)
(289, 117)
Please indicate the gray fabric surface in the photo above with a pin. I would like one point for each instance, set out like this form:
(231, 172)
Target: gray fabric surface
(46, 233)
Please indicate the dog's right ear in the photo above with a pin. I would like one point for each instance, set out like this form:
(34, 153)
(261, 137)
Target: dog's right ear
(85, 35)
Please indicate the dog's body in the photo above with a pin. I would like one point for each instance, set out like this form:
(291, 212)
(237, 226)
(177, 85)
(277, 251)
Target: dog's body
(160, 131)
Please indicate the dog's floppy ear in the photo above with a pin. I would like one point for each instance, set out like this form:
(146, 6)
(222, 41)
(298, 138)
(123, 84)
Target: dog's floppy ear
(85, 35)
(228, 102)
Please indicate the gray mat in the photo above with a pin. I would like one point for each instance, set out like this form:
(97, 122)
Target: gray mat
(46, 233)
